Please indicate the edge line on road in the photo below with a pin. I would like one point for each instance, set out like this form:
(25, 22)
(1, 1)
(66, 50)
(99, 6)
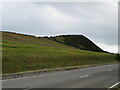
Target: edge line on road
(114, 85)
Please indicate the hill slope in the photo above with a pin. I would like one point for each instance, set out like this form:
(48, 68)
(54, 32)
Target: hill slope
(25, 53)
(28, 39)
(64, 41)
(78, 41)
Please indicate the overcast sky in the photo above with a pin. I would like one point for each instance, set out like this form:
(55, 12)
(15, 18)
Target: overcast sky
(97, 21)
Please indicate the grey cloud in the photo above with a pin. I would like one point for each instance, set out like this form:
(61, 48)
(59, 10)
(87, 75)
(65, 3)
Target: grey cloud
(98, 21)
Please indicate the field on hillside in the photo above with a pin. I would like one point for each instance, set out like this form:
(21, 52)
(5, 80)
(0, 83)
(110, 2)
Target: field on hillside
(18, 57)
(29, 39)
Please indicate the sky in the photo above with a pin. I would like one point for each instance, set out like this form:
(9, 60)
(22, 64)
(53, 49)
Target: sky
(96, 20)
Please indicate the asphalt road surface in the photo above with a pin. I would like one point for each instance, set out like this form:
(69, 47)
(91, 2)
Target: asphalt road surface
(92, 77)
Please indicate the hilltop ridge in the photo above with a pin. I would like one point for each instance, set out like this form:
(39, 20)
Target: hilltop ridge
(62, 41)
(78, 41)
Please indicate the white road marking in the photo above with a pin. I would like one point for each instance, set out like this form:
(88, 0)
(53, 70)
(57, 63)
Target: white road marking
(99, 66)
(82, 69)
(67, 71)
(103, 66)
(84, 76)
(114, 85)
(110, 69)
(109, 65)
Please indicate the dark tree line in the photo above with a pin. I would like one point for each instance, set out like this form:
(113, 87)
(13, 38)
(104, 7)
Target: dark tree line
(118, 57)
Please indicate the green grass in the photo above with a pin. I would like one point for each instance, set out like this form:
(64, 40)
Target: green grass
(32, 40)
(18, 57)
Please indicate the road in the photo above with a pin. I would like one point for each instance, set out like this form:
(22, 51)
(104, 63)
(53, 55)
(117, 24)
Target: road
(92, 77)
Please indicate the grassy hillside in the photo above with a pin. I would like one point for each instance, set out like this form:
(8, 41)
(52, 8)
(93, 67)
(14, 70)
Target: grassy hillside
(78, 41)
(25, 53)
(28, 39)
